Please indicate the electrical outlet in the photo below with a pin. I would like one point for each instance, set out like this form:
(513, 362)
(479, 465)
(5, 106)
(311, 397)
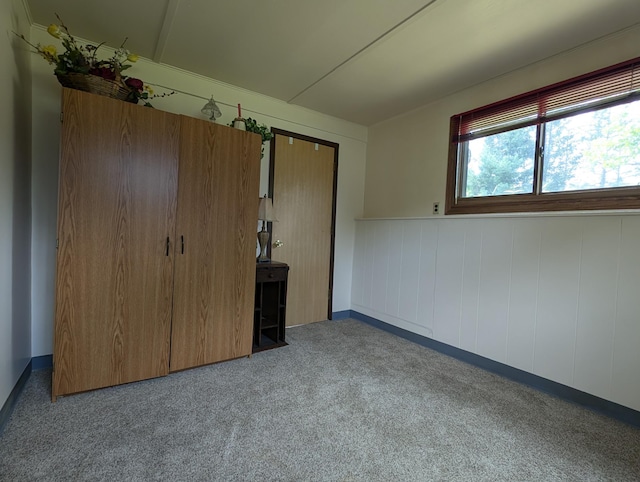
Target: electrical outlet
(436, 208)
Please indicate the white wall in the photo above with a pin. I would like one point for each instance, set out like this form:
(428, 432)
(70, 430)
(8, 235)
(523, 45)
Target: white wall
(15, 220)
(555, 296)
(352, 139)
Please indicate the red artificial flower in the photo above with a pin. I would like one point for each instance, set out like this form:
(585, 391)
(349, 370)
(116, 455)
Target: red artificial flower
(104, 72)
(136, 84)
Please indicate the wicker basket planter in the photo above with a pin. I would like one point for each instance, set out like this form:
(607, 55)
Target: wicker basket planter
(97, 85)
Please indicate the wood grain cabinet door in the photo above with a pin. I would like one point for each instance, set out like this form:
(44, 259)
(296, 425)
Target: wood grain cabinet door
(117, 206)
(215, 255)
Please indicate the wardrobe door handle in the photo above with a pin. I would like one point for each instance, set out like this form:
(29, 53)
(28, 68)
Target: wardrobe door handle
(167, 254)
(182, 243)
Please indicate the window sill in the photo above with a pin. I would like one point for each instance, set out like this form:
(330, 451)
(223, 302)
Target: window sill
(618, 199)
(540, 214)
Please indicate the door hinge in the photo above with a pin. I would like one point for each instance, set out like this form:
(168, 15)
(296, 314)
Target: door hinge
(57, 243)
(61, 116)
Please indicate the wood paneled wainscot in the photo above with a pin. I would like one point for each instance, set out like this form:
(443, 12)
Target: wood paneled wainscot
(156, 230)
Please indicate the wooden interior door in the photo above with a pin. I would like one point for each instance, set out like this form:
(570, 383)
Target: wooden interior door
(217, 220)
(303, 184)
(117, 204)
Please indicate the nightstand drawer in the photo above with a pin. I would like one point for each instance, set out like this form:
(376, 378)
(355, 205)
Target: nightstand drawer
(271, 273)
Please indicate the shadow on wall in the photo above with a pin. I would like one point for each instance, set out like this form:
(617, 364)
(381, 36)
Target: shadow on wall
(21, 216)
(46, 130)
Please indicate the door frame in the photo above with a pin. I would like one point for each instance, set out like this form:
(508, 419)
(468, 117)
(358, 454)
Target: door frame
(272, 162)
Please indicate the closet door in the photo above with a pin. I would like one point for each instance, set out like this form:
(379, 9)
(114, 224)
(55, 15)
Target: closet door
(117, 203)
(216, 250)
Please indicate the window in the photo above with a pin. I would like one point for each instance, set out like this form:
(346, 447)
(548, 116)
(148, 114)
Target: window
(574, 145)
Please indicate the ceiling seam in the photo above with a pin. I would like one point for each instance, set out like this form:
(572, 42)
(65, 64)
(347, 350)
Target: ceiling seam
(507, 73)
(366, 47)
(165, 30)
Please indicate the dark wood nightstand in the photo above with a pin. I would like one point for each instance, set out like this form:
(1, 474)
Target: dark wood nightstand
(270, 305)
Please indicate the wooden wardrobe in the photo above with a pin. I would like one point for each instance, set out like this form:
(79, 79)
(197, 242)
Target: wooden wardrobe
(157, 217)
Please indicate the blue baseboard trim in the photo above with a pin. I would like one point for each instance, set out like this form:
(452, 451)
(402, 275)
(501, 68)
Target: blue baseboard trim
(341, 315)
(10, 404)
(606, 407)
(41, 362)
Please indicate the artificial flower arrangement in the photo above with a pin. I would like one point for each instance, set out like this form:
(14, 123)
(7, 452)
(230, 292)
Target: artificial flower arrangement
(82, 59)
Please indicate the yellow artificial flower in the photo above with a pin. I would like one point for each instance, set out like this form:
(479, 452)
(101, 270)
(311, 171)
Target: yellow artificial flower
(148, 89)
(54, 30)
(132, 58)
(49, 51)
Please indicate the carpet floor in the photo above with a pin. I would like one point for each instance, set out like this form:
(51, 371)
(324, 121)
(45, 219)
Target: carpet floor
(343, 402)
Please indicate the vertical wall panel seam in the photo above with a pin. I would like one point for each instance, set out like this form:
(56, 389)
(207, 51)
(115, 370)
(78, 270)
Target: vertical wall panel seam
(372, 264)
(386, 276)
(374, 251)
(400, 275)
(366, 233)
(464, 257)
(362, 250)
(419, 271)
(363, 261)
(535, 315)
(353, 263)
(358, 255)
(475, 344)
(506, 341)
(435, 280)
(610, 392)
(400, 261)
(577, 318)
(370, 257)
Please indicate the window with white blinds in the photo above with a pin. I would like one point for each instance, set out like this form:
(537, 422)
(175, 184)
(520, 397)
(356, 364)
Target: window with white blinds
(569, 146)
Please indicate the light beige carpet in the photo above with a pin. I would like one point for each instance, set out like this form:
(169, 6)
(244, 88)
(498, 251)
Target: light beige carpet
(343, 402)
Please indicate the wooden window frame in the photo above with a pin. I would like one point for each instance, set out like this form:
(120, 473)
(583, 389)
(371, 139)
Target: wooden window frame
(620, 81)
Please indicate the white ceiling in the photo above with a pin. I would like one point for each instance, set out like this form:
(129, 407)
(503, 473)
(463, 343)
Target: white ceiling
(359, 60)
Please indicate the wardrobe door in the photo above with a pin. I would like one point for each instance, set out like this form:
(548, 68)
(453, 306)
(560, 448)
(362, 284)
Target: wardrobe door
(215, 254)
(116, 211)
